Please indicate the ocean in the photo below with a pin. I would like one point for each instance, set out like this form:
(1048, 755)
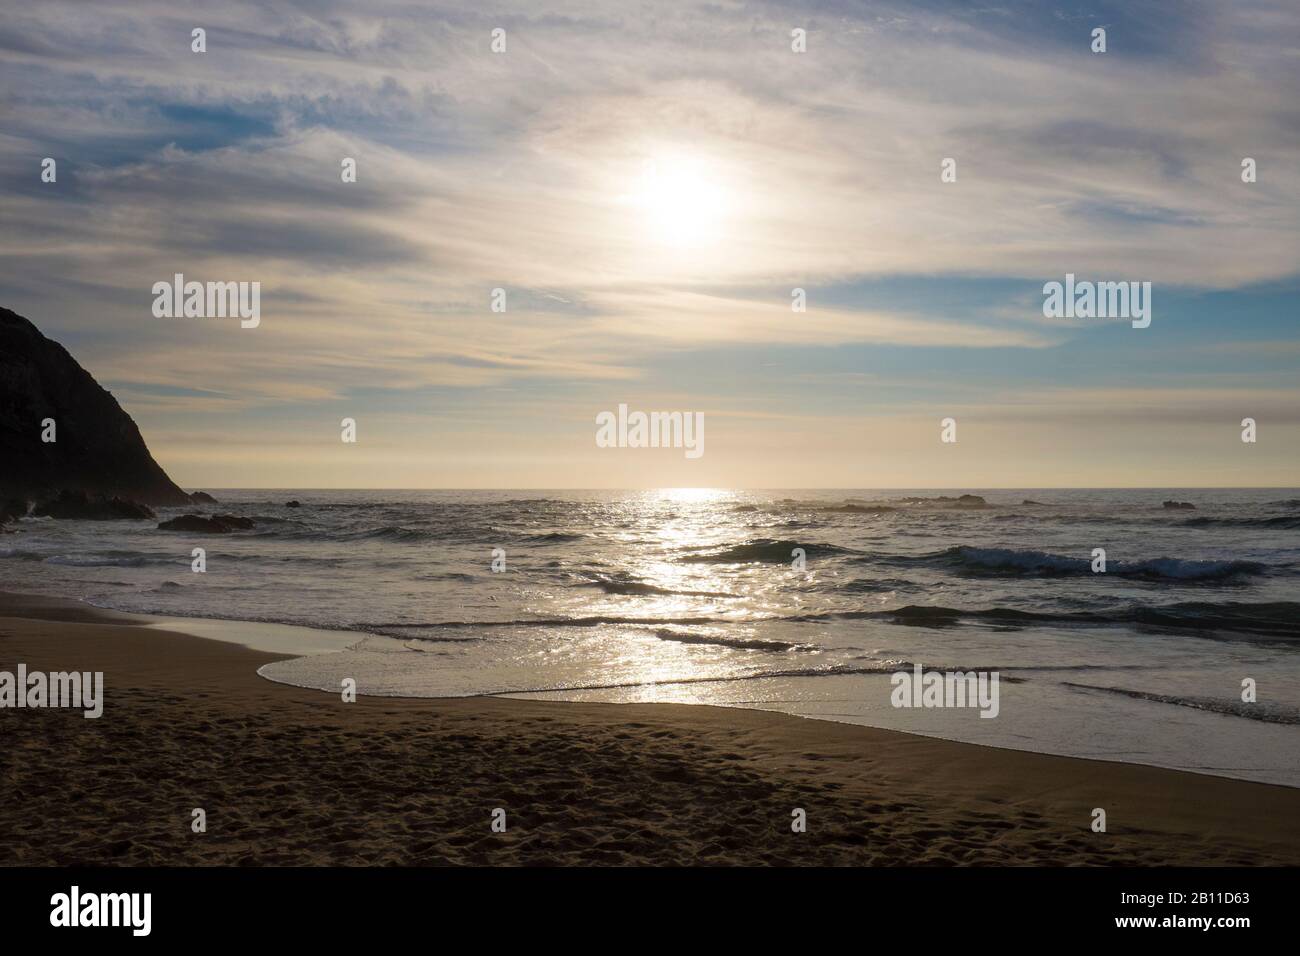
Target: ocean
(698, 596)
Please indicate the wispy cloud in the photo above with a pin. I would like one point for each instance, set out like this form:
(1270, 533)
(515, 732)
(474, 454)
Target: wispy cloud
(480, 170)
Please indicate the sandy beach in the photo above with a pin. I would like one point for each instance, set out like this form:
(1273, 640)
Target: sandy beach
(288, 776)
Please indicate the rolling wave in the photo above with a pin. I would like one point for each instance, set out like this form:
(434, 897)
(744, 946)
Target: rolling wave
(126, 560)
(1007, 561)
(21, 554)
(595, 620)
(682, 637)
(1269, 713)
(554, 537)
(833, 670)
(388, 533)
(108, 559)
(765, 551)
(1272, 621)
(628, 585)
(1282, 522)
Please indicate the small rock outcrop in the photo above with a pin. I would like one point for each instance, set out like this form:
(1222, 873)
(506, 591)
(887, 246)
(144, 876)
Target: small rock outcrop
(79, 506)
(293, 504)
(1180, 506)
(11, 509)
(202, 498)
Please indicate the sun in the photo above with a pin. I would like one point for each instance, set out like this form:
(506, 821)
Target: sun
(683, 201)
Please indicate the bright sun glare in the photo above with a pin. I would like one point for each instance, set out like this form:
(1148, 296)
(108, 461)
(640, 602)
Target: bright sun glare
(683, 201)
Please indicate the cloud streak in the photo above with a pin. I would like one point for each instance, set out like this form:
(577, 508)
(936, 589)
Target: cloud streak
(481, 170)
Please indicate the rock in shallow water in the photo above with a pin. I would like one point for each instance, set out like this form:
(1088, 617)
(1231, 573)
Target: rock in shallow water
(79, 506)
(11, 509)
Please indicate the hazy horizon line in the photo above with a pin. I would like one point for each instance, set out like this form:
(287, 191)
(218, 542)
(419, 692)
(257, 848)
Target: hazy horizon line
(774, 488)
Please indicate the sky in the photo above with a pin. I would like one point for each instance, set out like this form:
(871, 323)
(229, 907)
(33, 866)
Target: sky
(648, 184)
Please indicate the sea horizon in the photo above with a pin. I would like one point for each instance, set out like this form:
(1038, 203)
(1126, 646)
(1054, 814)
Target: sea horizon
(576, 488)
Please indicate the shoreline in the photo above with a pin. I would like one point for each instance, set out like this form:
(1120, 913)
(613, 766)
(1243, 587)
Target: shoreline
(288, 641)
(294, 776)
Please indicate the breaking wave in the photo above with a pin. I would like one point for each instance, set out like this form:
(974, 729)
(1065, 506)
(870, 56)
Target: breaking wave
(1269, 713)
(969, 560)
(764, 550)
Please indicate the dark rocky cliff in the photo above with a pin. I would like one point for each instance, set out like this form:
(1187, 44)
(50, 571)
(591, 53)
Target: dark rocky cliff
(98, 449)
